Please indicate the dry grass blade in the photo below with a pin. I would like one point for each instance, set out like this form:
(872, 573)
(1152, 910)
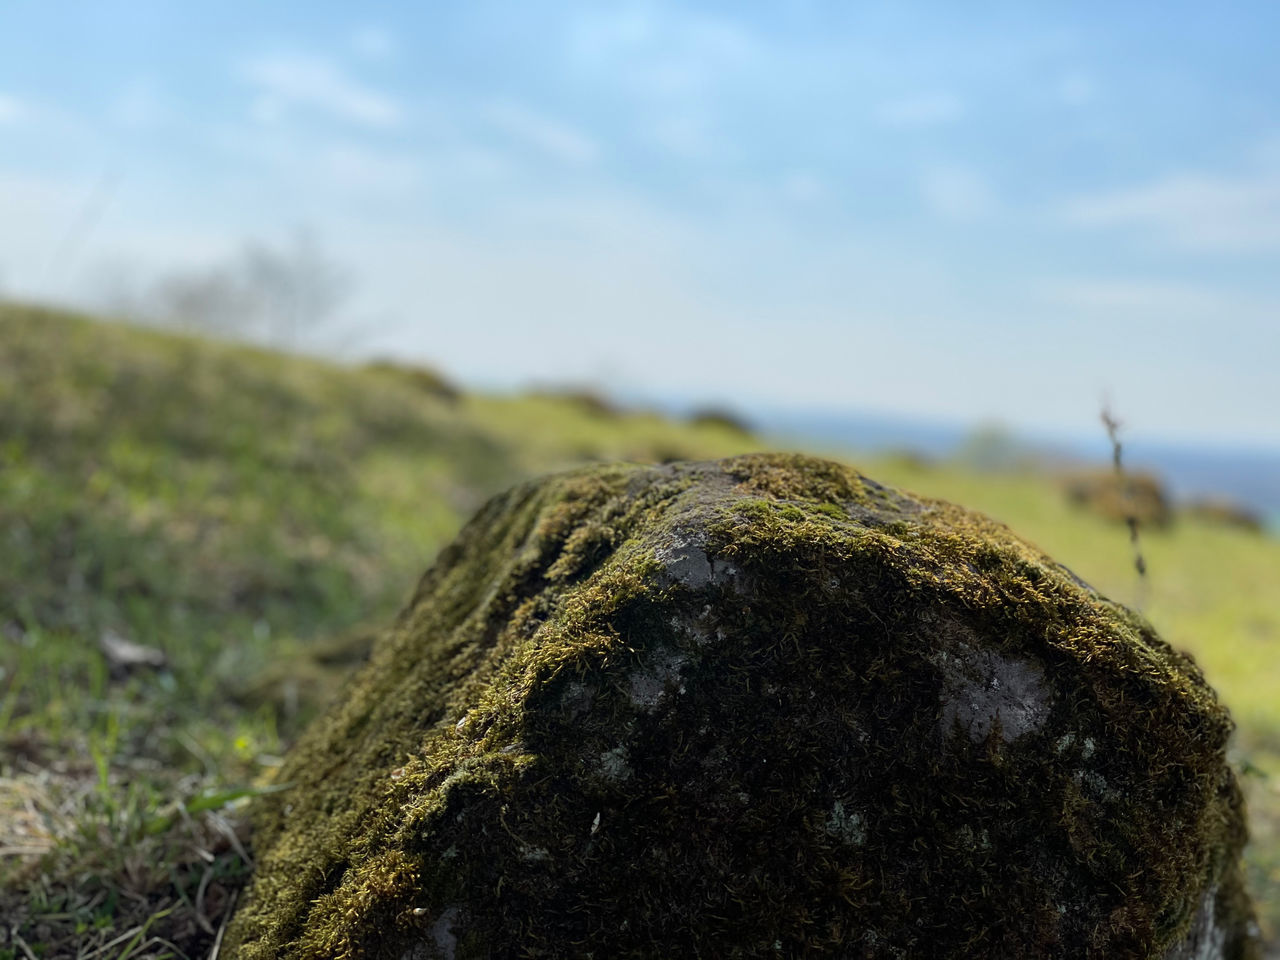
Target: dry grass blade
(222, 927)
(199, 913)
(22, 944)
(229, 832)
(128, 934)
(26, 811)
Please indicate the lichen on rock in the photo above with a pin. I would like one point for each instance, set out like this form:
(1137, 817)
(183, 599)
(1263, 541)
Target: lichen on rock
(762, 707)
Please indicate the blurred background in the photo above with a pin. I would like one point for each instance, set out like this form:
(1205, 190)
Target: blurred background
(843, 219)
(286, 290)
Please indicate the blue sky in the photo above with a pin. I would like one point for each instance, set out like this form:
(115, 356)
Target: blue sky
(973, 212)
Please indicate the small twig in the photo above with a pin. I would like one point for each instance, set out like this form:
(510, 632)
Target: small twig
(131, 932)
(177, 950)
(201, 919)
(1126, 486)
(222, 927)
(229, 832)
(22, 944)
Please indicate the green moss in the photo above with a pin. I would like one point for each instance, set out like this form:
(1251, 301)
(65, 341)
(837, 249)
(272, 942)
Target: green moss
(759, 707)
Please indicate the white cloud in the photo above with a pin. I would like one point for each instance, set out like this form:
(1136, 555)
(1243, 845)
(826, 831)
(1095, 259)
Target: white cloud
(668, 44)
(547, 134)
(672, 65)
(1161, 298)
(137, 107)
(955, 193)
(296, 80)
(11, 109)
(922, 110)
(1195, 211)
(52, 228)
(374, 43)
(352, 167)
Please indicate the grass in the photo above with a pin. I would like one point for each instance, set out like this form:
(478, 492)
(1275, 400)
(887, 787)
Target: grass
(251, 517)
(242, 513)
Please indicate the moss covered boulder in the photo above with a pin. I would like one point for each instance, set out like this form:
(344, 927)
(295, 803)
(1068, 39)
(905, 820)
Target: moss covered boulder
(763, 707)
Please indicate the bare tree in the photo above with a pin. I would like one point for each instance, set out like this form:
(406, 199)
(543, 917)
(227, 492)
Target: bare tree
(287, 295)
(213, 300)
(294, 290)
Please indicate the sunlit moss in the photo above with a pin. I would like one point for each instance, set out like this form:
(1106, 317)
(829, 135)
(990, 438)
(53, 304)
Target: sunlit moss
(757, 707)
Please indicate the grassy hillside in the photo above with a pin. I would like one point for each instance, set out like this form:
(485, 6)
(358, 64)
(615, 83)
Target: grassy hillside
(242, 518)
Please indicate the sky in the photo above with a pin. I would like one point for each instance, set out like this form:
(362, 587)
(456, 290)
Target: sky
(969, 212)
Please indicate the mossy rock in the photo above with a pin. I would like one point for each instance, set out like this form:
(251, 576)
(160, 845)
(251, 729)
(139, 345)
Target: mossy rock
(762, 707)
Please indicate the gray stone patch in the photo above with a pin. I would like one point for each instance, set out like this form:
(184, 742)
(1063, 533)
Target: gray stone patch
(846, 825)
(1095, 785)
(688, 628)
(531, 854)
(443, 942)
(648, 684)
(1088, 746)
(442, 934)
(614, 764)
(687, 564)
(973, 841)
(578, 698)
(1206, 940)
(981, 688)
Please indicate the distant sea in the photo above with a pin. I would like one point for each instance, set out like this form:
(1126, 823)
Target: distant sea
(1249, 477)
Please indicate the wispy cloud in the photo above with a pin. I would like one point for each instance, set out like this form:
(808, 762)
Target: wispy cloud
(11, 108)
(1196, 211)
(667, 44)
(1159, 297)
(291, 80)
(956, 193)
(922, 110)
(138, 106)
(673, 66)
(546, 134)
(355, 168)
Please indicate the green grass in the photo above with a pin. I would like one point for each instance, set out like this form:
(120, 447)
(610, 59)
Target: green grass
(244, 513)
(254, 516)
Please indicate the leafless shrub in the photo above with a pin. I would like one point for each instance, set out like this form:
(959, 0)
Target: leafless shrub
(286, 295)
(722, 418)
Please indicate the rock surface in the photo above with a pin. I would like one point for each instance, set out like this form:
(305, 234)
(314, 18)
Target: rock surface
(763, 707)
